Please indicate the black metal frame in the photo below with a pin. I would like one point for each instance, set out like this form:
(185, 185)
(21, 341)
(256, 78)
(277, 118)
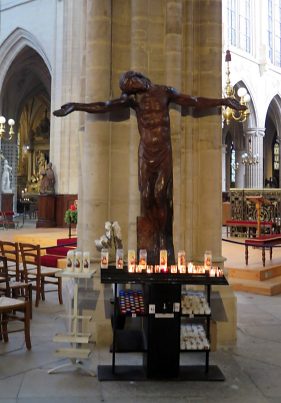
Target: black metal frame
(205, 372)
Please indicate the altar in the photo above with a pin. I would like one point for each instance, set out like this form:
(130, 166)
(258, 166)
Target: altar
(256, 205)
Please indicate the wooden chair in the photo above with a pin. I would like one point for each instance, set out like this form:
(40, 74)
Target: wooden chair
(19, 285)
(2, 220)
(41, 275)
(4, 276)
(11, 251)
(12, 309)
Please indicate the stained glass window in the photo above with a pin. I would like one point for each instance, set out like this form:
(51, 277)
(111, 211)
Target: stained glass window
(232, 165)
(276, 157)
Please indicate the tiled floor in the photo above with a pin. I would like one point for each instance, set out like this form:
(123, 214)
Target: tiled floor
(252, 368)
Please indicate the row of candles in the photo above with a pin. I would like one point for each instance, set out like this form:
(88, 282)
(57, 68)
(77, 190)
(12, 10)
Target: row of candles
(77, 261)
(193, 337)
(163, 267)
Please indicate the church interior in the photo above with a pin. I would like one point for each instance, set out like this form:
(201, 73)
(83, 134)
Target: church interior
(140, 218)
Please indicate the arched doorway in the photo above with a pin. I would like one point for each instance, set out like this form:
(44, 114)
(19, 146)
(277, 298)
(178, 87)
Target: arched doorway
(25, 96)
(234, 142)
(271, 147)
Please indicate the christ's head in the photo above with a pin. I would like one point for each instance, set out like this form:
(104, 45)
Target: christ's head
(132, 82)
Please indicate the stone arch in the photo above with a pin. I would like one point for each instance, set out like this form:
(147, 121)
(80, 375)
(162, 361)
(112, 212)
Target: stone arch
(25, 83)
(13, 44)
(274, 110)
(252, 118)
(272, 132)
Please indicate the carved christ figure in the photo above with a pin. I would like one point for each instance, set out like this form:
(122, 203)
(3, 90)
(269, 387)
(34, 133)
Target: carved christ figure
(155, 166)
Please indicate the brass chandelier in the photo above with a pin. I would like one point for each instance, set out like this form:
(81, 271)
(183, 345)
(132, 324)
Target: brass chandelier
(228, 113)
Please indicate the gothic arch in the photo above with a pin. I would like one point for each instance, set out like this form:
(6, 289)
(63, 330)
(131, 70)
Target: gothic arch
(272, 134)
(11, 47)
(252, 118)
(25, 83)
(274, 111)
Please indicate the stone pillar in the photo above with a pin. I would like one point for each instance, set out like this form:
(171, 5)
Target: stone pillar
(227, 167)
(240, 172)
(188, 152)
(173, 64)
(64, 141)
(120, 154)
(223, 171)
(95, 146)
(203, 206)
(152, 43)
(93, 205)
(139, 62)
(254, 144)
(207, 134)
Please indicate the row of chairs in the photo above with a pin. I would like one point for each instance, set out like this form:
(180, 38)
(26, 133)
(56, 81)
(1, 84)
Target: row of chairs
(21, 272)
(12, 308)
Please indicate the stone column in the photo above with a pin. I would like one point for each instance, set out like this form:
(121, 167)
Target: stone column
(204, 137)
(207, 135)
(188, 157)
(95, 147)
(223, 171)
(254, 144)
(174, 63)
(65, 83)
(227, 167)
(139, 62)
(120, 154)
(240, 172)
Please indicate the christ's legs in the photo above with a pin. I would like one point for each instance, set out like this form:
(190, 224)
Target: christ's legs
(153, 184)
(161, 203)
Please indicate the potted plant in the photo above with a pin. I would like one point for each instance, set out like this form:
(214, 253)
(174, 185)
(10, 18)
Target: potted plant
(71, 216)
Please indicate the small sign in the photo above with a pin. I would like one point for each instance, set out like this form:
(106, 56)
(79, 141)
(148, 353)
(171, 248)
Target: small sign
(164, 315)
(151, 309)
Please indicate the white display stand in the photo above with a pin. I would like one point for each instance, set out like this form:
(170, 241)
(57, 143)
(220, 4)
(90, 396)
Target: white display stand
(74, 353)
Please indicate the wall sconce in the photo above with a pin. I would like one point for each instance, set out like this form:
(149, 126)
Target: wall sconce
(25, 148)
(228, 113)
(11, 123)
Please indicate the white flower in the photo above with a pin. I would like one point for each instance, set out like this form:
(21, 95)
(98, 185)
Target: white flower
(105, 241)
(117, 230)
(98, 244)
(108, 228)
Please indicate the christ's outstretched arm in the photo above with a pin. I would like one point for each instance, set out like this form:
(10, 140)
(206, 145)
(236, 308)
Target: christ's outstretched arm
(94, 107)
(201, 102)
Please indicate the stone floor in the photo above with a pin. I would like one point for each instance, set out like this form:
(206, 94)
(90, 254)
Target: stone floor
(252, 368)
